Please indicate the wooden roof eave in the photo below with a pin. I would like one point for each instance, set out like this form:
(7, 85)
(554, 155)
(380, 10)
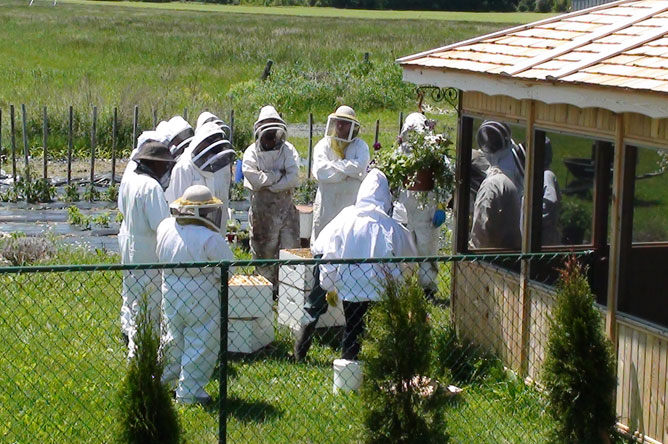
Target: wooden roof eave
(619, 100)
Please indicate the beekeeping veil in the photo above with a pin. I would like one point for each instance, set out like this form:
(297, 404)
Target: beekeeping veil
(198, 206)
(210, 148)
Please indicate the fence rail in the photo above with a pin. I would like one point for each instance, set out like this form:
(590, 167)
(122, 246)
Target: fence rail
(64, 356)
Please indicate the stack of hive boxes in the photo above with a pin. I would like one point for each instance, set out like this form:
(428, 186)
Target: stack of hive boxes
(295, 283)
(250, 314)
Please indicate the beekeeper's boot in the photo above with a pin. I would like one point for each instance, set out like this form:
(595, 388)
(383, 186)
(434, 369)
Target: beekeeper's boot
(303, 340)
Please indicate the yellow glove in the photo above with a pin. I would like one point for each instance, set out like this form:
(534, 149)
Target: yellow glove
(332, 298)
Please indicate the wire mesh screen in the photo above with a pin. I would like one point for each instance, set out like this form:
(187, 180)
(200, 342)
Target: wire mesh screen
(293, 355)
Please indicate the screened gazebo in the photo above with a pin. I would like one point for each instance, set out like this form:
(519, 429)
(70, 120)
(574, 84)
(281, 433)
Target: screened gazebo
(595, 83)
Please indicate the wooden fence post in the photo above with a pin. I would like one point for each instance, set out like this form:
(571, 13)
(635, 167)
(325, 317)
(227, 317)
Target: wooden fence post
(135, 117)
(375, 137)
(155, 117)
(26, 150)
(232, 126)
(93, 136)
(185, 114)
(12, 129)
(401, 121)
(310, 145)
(45, 135)
(114, 141)
(70, 145)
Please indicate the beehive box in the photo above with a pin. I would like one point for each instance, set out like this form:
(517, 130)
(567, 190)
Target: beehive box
(249, 297)
(295, 283)
(249, 335)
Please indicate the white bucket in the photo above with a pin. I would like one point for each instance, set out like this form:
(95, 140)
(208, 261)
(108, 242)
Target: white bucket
(347, 375)
(305, 220)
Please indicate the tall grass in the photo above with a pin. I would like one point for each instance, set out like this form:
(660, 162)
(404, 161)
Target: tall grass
(85, 55)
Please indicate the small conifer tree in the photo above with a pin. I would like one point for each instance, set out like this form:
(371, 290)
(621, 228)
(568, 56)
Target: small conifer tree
(579, 369)
(147, 414)
(402, 405)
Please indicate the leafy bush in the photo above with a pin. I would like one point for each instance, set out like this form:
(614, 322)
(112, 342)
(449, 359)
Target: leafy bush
(579, 369)
(22, 250)
(146, 413)
(91, 194)
(402, 404)
(111, 193)
(71, 193)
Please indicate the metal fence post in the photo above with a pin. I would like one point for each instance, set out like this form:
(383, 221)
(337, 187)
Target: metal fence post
(222, 355)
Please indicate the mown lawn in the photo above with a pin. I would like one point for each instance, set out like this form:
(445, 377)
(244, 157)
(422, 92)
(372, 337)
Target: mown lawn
(63, 360)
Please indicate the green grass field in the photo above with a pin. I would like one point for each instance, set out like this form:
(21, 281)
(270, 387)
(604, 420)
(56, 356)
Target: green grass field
(173, 56)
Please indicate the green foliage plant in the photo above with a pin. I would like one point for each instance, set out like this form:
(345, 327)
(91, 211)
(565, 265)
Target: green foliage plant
(111, 193)
(402, 404)
(238, 191)
(422, 150)
(91, 194)
(305, 193)
(102, 220)
(146, 413)
(33, 191)
(71, 193)
(579, 369)
(77, 218)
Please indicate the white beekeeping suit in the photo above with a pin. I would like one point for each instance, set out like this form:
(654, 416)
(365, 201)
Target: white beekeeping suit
(205, 162)
(340, 160)
(497, 208)
(141, 201)
(550, 233)
(363, 230)
(271, 171)
(191, 305)
(421, 209)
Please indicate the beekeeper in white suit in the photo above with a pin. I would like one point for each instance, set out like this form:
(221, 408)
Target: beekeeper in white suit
(363, 230)
(180, 135)
(271, 171)
(497, 208)
(205, 162)
(191, 305)
(340, 160)
(424, 214)
(141, 201)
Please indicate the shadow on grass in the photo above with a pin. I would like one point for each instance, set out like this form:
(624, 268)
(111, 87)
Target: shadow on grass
(247, 411)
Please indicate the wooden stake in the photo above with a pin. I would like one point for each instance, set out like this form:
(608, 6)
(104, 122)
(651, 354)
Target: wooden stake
(135, 117)
(26, 149)
(45, 133)
(114, 141)
(93, 140)
(310, 145)
(12, 129)
(70, 145)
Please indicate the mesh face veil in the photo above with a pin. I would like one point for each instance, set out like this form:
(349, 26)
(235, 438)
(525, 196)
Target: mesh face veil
(213, 152)
(210, 213)
(271, 135)
(341, 128)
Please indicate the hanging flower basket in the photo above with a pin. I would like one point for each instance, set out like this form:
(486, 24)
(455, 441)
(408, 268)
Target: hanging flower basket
(424, 180)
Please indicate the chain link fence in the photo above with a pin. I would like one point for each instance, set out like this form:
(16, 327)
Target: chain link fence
(64, 354)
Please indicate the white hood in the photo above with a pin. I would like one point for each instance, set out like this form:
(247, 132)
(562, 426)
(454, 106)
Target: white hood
(374, 192)
(414, 122)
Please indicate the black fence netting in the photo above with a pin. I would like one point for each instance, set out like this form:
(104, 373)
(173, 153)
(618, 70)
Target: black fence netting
(294, 355)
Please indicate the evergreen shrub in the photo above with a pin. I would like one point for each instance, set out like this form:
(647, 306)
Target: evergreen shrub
(579, 369)
(146, 412)
(401, 403)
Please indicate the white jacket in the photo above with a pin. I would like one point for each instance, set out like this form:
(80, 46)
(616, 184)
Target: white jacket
(142, 203)
(338, 180)
(363, 230)
(185, 174)
(262, 169)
